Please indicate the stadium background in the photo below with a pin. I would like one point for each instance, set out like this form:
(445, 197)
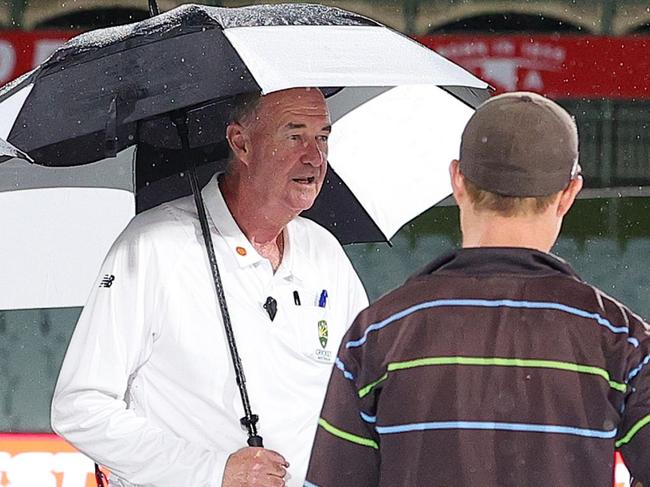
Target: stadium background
(590, 55)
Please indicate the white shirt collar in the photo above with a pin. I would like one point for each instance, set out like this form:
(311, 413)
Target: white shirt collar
(294, 263)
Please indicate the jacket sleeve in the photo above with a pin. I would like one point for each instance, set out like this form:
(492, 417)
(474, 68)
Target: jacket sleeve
(346, 447)
(633, 439)
(113, 338)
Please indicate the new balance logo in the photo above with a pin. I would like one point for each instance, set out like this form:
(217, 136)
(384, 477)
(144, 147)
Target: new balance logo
(107, 281)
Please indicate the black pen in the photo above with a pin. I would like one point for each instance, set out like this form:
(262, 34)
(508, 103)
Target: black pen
(296, 298)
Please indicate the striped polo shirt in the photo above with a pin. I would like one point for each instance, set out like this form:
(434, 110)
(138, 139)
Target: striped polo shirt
(491, 367)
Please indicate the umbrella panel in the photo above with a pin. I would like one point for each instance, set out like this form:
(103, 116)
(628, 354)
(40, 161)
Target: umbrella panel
(8, 151)
(128, 89)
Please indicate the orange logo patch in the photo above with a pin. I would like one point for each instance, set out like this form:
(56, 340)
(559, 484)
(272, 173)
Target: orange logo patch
(241, 251)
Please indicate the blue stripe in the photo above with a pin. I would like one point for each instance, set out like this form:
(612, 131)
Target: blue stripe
(633, 341)
(309, 484)
(367, 418)
(341, 365)
(634, 373)
(485, 303)
(480, 425)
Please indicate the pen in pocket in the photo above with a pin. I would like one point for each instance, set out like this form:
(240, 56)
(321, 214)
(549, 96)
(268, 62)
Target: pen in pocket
(322, 300)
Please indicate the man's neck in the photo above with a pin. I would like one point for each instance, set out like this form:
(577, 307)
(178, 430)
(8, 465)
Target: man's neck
(496, 231)
(261, 223)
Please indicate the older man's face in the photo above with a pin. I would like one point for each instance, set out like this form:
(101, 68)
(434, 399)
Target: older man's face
(288, 160)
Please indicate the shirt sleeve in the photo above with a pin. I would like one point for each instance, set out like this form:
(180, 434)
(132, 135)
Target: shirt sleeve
(346, 447)
(113, 338)
(633, 439)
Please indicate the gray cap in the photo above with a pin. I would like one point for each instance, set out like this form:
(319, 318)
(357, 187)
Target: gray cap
(520, 144)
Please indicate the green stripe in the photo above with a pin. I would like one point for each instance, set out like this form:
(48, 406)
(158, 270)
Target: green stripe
(496, 361)
(359, 440)
(633, 431)
(365, 390)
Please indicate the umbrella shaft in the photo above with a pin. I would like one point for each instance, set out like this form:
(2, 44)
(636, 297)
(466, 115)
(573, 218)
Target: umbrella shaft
(153, 8)
(249, 420)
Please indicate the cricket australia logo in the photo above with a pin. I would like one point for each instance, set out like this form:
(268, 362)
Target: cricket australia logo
(107, 280)
(322, 333)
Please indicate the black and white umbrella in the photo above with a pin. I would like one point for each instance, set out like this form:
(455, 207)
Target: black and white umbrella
(401, 106)
(165, 84)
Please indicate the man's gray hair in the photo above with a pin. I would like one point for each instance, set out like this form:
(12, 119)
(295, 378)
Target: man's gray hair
(243, 106)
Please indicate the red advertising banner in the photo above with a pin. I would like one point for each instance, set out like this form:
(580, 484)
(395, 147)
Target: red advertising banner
(22, 51)
(30, 460)
(559, 66)
(567, 66)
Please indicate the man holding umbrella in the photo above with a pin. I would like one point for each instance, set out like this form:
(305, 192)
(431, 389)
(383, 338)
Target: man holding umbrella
(496, 365)
(147, 387)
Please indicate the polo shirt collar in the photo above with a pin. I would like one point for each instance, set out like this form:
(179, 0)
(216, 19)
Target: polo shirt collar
(499, 261)
(242, 250)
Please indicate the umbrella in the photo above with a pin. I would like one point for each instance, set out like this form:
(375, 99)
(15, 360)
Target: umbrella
(166, 83)
(107, 89)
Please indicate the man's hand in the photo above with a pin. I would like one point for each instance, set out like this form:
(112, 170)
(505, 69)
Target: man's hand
(255, 467)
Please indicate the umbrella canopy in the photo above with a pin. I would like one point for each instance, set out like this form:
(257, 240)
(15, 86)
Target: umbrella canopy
(57, 223)
(110, 89)
(8, 151)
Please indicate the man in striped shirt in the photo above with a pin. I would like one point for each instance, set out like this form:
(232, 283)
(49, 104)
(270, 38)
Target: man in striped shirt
(496, 365)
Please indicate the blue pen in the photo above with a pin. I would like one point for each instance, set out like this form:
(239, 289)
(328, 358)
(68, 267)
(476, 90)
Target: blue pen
(322, 301)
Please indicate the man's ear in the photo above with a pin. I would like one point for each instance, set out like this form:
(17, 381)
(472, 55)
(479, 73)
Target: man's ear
(457, 181)
(568, 196)
(238, 141)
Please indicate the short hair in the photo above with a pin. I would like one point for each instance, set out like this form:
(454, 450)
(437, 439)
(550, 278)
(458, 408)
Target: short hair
(506, 206)
(243, 106)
